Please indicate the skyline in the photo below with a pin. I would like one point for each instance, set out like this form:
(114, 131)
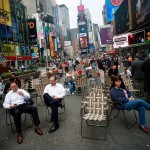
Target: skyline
(95, 7)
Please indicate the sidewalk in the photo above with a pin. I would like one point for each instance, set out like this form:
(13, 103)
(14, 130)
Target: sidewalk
(68, 136)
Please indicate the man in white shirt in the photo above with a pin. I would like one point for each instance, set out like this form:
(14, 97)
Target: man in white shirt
(16, 101)
(53, 95)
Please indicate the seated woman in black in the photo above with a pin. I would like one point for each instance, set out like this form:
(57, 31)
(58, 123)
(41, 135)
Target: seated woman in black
(119, 93)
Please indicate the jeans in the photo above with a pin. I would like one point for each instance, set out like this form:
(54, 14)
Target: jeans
(71, 86)
(141, 106)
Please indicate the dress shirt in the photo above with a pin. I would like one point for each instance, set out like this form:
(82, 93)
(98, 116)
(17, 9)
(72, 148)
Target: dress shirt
(14, 98)
(56, 90)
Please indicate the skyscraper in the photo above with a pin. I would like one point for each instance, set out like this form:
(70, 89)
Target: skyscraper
(64, 21)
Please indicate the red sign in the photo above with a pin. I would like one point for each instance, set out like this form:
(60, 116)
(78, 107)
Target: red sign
(116, 2)
(80, 8)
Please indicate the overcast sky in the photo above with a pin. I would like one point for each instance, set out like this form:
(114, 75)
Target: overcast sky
(95, 7)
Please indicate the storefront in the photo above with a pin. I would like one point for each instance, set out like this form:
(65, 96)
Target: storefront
(133, 42)
(13, 26)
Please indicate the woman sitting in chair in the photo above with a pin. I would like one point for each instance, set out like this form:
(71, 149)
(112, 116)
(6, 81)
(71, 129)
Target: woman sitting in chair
(71, 83)
(120, 94)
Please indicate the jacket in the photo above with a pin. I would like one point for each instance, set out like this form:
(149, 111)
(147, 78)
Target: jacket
(117, 95)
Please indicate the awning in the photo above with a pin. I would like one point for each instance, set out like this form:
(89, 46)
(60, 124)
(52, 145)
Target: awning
(112, 52)
(13, 58)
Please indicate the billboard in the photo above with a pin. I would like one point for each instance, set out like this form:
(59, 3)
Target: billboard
(122, 21)
(142, 11)
(83, 42)
(5, 17)
(80, 8)
(105, 34)
(111, 8)
(121, 41)
(32, 29)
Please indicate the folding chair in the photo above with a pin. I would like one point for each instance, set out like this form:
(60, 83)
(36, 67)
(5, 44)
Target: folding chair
(62, 110)
(81, 82)
(9, 120)
(113, 107)
(96, 111)
(39, 90)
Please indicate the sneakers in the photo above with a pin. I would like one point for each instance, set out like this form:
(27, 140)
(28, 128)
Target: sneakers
(144, 129)
(73, 93)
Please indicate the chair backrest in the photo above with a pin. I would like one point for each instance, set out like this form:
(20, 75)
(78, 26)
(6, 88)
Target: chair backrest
(44, 80)
(35, 82)
(81, 81)
(96, 104)
(39, 89)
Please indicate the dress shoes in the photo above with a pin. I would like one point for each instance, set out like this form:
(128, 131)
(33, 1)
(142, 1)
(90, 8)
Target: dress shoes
(38, 131)
(53, 128)
(19, 138)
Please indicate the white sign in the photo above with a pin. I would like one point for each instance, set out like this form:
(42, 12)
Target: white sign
(83, 35)
(67, 43)
(121, 40)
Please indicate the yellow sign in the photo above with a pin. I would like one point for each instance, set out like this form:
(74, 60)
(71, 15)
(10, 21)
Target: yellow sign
(5, 17)
(8, 50)
(4, 4)
(35, 49)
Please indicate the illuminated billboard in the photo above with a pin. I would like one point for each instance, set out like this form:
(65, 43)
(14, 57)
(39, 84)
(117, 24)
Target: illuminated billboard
(111, 8)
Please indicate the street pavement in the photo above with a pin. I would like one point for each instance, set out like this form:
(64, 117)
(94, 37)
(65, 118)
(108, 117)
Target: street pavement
(68, 136)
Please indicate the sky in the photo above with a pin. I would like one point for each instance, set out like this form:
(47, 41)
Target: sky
(95, 7)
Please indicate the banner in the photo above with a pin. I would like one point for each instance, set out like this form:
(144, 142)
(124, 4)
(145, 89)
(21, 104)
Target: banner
(51, 46)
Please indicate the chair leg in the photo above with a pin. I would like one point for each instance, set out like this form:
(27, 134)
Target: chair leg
(118, 111)
(127, 125)
(103, 139)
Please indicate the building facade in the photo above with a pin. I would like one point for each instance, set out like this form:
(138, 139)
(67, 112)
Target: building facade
(64, 21)
(14, 43)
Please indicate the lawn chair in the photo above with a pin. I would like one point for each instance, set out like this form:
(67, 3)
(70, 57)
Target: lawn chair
(95, 111)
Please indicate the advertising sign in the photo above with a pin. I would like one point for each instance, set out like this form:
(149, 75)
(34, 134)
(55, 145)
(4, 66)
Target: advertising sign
(5, 17)
(90, 37)
(83, 42)
(40, 31)
(8, 50)
(105, 34)
(121, 41)
(142, 11)
(32, 29)
(17, 50)
(67, 43)
(80, 8)
(122, 21)
(111, 8)
(82, 34)
(51, 46)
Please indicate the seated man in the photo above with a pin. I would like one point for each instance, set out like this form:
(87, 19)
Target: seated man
(119, 93)
(16, 100)
(53, 94)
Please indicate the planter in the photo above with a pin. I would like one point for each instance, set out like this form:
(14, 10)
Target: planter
(26, 76)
